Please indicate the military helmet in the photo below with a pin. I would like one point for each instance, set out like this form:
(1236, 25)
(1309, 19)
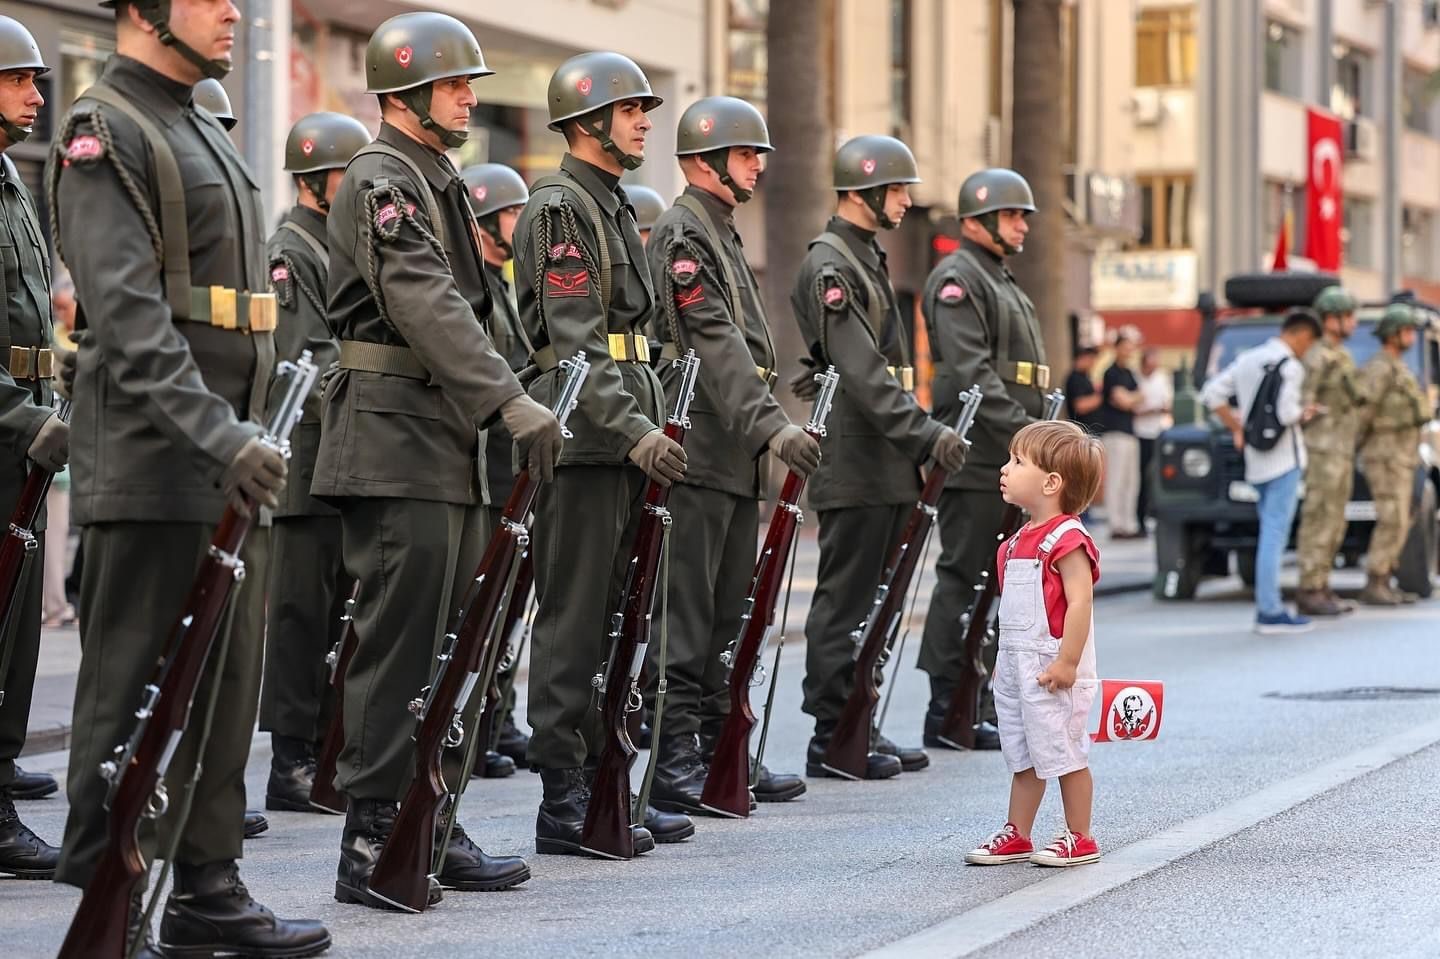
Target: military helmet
(1397, 317)
(715, 123)
(989, 191)
(1333, 301)
(157, 14)
(493, 187)
(869, 161)
(323, 141)
(208, 93)
(589, 81)
(418, 48)
(648, 204)
(18, 51)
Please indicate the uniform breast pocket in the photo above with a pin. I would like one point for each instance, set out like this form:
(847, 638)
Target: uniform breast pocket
(10, 262)
(391, 396)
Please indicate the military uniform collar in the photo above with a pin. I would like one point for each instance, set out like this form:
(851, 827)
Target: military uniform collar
(601, 184)
(436, 166)
(986, 257)
(497, 272)
(166, 98)
(310, 220)
(8, 173)
(716, 207)
(861, 241)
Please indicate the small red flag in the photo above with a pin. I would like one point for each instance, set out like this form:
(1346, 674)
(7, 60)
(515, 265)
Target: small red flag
(1282, 246)
(1129, 709)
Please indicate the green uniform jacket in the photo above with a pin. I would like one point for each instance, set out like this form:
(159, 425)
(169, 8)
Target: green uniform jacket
(160, 405)
(1332, 381)
(510, 343)
(558, 287)
(394, 436)
(733, 414)
(1391, 425)
(877, 435)
(978, 320)
(25, 320)
(298, 276)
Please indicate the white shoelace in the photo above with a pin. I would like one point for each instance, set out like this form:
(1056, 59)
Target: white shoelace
(1000, 838)
(1063, 846)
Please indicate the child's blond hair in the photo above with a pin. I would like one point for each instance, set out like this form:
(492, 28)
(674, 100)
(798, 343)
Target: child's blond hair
(1059, 446)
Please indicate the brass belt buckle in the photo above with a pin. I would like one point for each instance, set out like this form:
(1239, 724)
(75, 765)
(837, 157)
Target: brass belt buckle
(1025, 373)
(262, 312)
(20, 362)
(222, 308)
(905, 375)
(628, 347)
(1042, 377)
(768, 375)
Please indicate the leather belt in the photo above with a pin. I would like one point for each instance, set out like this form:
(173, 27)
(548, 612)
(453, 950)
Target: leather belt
(624, 348)
(227, 309)
(1025, 374)
(31, 363)
(381, 358)
(906, 376)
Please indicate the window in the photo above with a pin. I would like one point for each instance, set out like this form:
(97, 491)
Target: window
(1283, 59)
(746, 75)
(1280, 199)
(82, 56)
(1417, 243)
(1419, 101)
(1165, 212)
(1350, 96)
(1357, 234)
(900, 67)
(1165, 47)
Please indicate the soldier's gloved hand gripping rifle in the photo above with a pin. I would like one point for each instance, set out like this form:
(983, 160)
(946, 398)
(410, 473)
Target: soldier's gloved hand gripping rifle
(468, 654)
(608, 817)
(959, 728)
(727, 787)
(853, 739)
(136, 775)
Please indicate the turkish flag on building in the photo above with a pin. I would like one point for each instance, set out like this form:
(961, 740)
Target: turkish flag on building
(1129, 709)
(1323, 217)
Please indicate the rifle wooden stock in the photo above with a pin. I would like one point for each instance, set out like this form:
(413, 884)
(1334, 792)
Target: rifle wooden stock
(402, 873)
(323, 793)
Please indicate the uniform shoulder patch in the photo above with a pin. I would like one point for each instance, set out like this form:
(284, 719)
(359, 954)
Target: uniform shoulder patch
(565, 283)
(565, 251)
(390, 212)
(833, 295)
(951, 292)
(684, 270)
(279, 273)
(83, 148)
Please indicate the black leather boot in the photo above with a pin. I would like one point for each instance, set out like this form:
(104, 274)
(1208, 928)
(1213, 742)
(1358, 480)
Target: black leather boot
(940, 692)
(877, 765)
(255, 823)
(23, 854)
(562, 815)
(210, 913)
(911, 759)
(987, 737)
(32, 785)
(368, 823)
(467, 868)
(136, 927)
(679, 776)
(666, 827)
(776, 787)
(513, 742)
(494, 765)
(292, 773)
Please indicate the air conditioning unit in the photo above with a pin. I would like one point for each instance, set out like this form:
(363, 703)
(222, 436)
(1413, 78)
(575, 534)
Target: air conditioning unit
(1148, 105)
(1361, 139)
(1430, 14)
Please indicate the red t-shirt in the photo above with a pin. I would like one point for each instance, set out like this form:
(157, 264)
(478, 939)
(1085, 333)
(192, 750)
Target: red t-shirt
(1028, 547)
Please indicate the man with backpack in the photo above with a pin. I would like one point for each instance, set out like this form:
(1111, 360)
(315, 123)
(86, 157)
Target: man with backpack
(1266, 383)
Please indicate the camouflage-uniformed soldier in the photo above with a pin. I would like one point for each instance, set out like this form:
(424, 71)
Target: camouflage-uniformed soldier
(497, 195)
(878, 435)
(648, 205)
(1390, 449)
(711, 303)
(210, 95)
(308, 582)
(983, 331)
(399, 443)
(577, 222)
(173, 366)
(31, 433)
(1332, 384)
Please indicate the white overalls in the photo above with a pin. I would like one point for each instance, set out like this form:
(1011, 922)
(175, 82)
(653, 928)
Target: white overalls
(1039, 728)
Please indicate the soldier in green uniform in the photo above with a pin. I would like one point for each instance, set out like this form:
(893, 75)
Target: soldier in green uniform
(210, 95)
(983, 332)
(1332, 385)
(497, 195)
(160, 223)
(308, 582)
(710, 302)
(1390, 449)
(583, 284)
(878, 436)
(399, 452)
(29, 424)
(648, 206)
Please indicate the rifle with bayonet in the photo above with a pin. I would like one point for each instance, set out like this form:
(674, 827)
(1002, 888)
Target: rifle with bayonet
(854, 737)
(467, 657)
(323, 793)
(608, 816)
(958, 730)
(727, 787)
(136, 776)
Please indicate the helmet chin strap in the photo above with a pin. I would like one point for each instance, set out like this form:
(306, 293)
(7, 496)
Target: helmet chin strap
(490, 223)
(719, 161)
(874, 198)
(599, 128)
(418, 100)
(157, 14)
(316, 183)
(991, 222)
(15, 134)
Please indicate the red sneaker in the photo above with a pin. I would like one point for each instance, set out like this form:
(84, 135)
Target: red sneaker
(1007, 845)
(1070, 849)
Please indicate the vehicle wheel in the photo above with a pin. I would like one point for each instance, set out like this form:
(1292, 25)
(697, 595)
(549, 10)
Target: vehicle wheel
(1180, 555)
(1245, 566)
(1417, 559)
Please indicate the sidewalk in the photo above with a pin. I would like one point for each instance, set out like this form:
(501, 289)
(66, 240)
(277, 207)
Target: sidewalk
(1128, 567)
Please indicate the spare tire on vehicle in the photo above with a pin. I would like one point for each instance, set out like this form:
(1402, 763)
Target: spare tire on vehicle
(1276, 290)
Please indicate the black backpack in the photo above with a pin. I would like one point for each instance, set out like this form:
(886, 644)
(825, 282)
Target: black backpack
(1263, 428)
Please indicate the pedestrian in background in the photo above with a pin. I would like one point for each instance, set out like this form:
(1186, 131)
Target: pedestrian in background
(1120, 394)
(1082, 398)
(1275, 472)
(1152, 417)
